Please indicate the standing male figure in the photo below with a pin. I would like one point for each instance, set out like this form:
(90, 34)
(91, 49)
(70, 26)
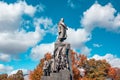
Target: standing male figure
(62, 35)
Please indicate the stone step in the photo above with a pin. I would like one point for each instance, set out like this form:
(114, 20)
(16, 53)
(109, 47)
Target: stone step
(65, 75)
(45, 78)
(55, 76)
(62, 75)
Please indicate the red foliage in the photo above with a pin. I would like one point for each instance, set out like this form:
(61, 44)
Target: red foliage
(112, 72)
(76, 73)
(38, 72)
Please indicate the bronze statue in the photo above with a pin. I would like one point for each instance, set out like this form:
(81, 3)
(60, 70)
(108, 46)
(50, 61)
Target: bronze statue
(62, 35)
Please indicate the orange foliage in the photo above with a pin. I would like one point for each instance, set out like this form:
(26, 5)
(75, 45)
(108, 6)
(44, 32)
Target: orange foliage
(117, 74)
(76, 73)
(48, 56)
(75, 70)
(38, 72)
(82, 60)
(94, 69)
(73, 57)
(112, 72)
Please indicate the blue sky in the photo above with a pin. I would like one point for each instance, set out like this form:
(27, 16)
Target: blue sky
(28, 29)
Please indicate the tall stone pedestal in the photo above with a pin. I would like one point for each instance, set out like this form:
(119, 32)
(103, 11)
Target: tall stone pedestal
(61, 49)
(62, 44)
(62, 75)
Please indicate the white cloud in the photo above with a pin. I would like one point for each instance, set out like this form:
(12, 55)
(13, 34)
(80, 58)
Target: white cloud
(29, 9)
(101, 16)
(5, 57)
(46, 22)
(113, 60)
(78, 37)
(11, 15)
(18, 42)
(5, 69)
(38, 51)
(97, 45)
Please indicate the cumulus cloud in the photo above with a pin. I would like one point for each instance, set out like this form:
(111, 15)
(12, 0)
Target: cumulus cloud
(77, 37)
(5, 57)
(5, 69)
(18, 42)
(102, 17)
(46, 22)
(11, 15)
(38, 51)
(113, 60)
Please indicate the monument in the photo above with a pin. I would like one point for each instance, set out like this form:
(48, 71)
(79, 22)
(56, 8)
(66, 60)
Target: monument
(59, 67)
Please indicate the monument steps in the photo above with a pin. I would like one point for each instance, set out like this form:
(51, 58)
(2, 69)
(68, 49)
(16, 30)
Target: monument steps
(62, 75)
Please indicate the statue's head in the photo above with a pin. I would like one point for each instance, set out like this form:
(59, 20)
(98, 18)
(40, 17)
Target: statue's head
(62, 19)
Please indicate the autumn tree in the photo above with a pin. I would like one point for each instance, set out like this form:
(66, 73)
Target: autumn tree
(74, 59)
(3, 77)
(17, 76)
(38, 71)
(76, 73)
(112, 73)
(117, 77)
(97, 69)
(94, 69)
